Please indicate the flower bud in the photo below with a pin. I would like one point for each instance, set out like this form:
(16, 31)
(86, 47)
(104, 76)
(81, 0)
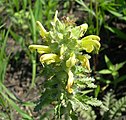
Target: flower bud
(42, 30)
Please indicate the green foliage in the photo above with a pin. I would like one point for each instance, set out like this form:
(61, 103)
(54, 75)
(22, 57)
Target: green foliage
(116, 107)
(65, 68)
(111, 109)
(7, 99)
(23, 15)
(112, 70)
(116, 10)
(3, 57)
(47, 11)
(88, 114)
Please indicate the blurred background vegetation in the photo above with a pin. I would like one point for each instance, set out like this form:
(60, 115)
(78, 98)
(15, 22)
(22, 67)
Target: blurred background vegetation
(20, 71)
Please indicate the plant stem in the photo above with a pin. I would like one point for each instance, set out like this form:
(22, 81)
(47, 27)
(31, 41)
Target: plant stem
(33, 30)
(33, 72)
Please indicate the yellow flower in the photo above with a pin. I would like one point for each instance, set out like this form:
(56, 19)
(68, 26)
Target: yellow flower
(84, 61)
(40, 48)
(49, 58)
(70, 82)
(90, 43)
(71, 61)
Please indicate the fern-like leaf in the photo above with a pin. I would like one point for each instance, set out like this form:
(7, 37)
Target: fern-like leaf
(117, 109)
(88, 114)
(108, 101)
(84, 112)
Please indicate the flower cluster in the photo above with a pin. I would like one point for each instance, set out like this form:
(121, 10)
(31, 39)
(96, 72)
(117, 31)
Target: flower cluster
(64, 44)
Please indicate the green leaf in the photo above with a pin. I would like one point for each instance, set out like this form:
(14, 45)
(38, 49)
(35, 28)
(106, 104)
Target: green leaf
(105, 71)
(33, 26)
(117, 14)
(108, 63)
(107, 81)
(88, 114)
(119, 65)
(97, 90)
(116, 31)
(12, 103)
(123, 18)
(117, 108)
(16, 3)
(7, 91)
(86, 92)
(115, 75)
(85, 7)
(120, 79)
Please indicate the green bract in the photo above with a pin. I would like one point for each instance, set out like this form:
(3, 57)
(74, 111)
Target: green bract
(63, 61)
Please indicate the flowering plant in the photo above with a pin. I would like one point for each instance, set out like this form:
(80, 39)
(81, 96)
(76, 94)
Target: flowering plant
(65, 67)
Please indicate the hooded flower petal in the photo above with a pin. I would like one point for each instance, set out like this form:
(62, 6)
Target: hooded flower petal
(49, 58)
(90, 43)
(70, 82)
(84, 61)
(40, 48)
(92, 37)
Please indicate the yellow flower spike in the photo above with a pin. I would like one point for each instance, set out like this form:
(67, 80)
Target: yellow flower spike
(49, 58)
(42, 30)
(84, 61)
(40, 48)
(70, 82)
(71, 61)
